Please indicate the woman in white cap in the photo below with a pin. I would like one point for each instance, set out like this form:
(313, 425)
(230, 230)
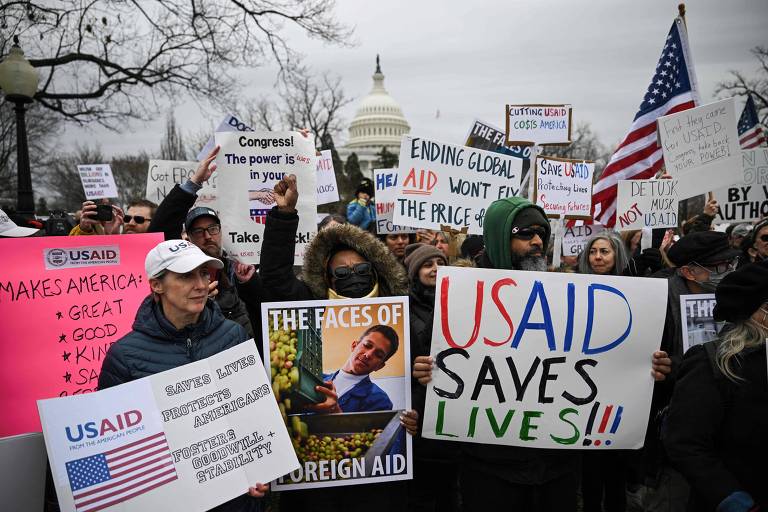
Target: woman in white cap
(175, 325)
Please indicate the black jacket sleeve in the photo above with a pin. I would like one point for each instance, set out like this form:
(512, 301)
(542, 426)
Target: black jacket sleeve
(170, 214)
(695, 416)
(276, 261)
(114, 371)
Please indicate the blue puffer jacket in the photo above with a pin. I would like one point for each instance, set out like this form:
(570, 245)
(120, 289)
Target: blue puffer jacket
(359, 215)
(155, 345)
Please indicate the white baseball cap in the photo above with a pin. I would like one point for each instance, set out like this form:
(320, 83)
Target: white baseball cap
(177, 256)
(9, 228)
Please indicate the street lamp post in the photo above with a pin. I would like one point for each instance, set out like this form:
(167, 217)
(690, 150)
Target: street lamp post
(18, 79)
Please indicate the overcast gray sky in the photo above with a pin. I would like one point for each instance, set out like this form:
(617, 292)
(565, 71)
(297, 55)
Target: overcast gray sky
(468, 59)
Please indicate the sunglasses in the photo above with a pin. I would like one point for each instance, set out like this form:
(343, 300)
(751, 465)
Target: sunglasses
(213, 230)
(718, 268)
(529, 233)
(361, 269)
(138, 219)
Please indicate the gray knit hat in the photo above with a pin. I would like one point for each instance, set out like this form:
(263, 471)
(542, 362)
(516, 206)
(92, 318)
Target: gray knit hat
(417, 254)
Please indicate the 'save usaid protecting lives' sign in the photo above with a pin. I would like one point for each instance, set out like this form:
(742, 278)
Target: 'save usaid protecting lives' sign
(543, 360)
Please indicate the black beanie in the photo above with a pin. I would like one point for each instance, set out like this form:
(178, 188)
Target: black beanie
(532, 217)
(742, 292)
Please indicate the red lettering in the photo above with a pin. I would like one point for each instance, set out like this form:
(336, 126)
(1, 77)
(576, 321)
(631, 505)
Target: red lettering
(106, 426)
(444, 314)
(504, 313)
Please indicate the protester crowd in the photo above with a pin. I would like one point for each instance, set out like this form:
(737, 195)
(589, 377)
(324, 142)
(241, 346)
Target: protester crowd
(705, 446)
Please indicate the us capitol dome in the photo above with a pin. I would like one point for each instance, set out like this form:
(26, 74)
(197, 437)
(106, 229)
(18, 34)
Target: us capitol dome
(379, 122)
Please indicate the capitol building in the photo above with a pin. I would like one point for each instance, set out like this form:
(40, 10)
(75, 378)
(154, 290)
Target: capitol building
(378, 123)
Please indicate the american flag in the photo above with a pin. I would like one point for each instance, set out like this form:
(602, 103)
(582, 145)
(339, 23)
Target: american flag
(109, 478)
(751, 134)
(672, 89)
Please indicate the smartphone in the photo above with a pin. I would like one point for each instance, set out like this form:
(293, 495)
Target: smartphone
(104, 212)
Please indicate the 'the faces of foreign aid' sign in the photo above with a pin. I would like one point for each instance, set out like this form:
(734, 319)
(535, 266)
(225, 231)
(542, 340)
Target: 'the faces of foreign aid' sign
(543, 360)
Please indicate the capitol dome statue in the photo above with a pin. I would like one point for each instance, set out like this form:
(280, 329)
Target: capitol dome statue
(379, 123)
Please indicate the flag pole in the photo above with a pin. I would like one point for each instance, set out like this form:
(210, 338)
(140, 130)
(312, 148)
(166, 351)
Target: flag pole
(681, 11)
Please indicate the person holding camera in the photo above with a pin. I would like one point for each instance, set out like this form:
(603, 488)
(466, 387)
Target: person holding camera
(107, 219)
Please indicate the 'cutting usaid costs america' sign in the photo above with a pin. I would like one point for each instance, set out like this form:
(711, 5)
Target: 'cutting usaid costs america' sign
(543, 360)
(538, 124)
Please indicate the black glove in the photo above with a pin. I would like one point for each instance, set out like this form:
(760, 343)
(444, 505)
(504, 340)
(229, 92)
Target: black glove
(647, 262)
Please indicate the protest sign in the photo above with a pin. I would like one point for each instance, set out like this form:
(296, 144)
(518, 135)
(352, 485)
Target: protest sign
(385, 181)
(697, 319)
(249, 167)
(229, 124)
(747, 199)
(485, 136)
(575, 237)
(563, 187)
(68, 299)
(360, 349)
(543, 360)
(327, 190)
(647, 204)
(195, 436)
(538, 124)
(162, 175)
(701, 147)
(448, 185)
(98, 181)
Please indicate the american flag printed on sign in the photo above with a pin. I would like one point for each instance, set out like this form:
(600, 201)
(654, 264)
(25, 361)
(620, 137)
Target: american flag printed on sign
(672, 89)
(751, 134)
(106, 479)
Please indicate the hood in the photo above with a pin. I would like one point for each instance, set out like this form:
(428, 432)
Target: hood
(151, 321)
(391, 275)
(497, 229)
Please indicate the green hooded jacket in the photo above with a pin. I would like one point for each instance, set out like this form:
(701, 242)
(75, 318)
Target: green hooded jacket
(497, 229)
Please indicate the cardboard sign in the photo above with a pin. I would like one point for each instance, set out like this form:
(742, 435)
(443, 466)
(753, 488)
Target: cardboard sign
(229, 124)
(647, 204)
(701, 147)
(543, 360)
(747, 199)
(359, 350)
(385, 181)
(162, 175)
(563, 187)
(249, 167)
(538, 124)
(327, 190)
(449, 185)
(98, 181)
(190, 438)
(69, 299)
(575, 237)
(697, 319)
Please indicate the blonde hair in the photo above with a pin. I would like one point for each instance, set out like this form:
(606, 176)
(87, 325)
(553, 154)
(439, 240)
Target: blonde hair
(739, 337)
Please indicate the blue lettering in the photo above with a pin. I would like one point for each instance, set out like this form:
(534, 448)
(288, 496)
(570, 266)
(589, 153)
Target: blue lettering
(71, 437)
(590, 318)
(546, 325)
(569, 322)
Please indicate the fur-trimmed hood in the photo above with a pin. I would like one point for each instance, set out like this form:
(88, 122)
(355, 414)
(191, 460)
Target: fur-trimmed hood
(392, 278)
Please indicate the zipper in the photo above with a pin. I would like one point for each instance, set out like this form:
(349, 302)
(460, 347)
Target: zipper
(189, 348)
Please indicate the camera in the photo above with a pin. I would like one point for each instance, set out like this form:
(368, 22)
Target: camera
(104, 212)
(58, 224)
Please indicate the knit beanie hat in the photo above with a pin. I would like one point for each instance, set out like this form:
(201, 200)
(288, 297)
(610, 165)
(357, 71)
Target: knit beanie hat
(417, 254)
(742, 292)
(504, 215)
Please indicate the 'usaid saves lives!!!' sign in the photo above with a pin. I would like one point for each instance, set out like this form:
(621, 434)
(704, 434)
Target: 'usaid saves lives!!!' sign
(542, 360)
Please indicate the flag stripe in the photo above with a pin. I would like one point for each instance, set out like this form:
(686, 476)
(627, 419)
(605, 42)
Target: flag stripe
(142, 464)
(128, 463)
(133, 495)
(136, 451)
(120, 482)
(131, 445)
(123, 488)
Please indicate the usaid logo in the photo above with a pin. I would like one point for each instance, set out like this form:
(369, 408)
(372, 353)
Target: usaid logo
(98, 428)
(76, 257)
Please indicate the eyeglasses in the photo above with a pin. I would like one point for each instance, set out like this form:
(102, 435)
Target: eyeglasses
(213, 230)
(138, 219)
(718, 268)
(529, 233)
(361, 269)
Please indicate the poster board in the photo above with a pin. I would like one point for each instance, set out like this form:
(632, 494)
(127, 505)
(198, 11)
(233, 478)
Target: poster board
(701, 147)
(249, 166)
(575, 237)
(543, 360)
(230, 123)
(310, 342)
(448, 185)
(647, 204)
(485, 136)
(563, 187)
(97, 180)
(385, 182)
(327, 189)
(697, 319)
(747, 199)
(538, 124)
(195, 436)
(69, 298)
(162, 175)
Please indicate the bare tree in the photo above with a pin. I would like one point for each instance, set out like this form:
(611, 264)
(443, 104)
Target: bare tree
(62, 179)
(105, 60)
(172, 145)
(740, 85)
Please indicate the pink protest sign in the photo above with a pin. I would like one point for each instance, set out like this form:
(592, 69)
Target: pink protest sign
(63, 302)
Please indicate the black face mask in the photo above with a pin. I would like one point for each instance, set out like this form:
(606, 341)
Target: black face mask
(354, 286)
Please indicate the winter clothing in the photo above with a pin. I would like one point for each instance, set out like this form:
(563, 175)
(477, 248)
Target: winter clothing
(715, 430)
(702, 247)
(500, 218)
(361, 213)
(741, 293)
(416, 255)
